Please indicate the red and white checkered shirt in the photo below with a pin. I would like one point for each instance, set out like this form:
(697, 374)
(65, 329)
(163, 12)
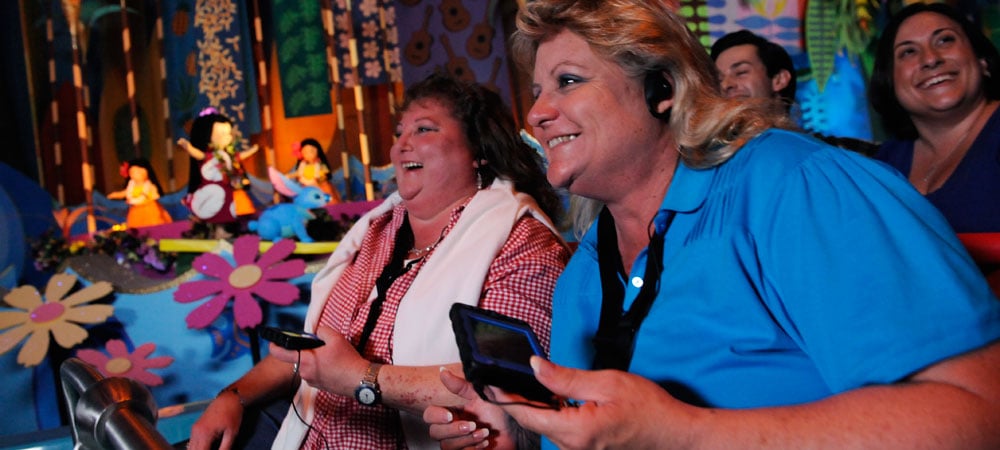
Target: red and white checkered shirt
(519, 283)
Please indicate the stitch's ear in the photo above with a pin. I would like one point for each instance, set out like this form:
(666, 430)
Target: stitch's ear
(284, 185)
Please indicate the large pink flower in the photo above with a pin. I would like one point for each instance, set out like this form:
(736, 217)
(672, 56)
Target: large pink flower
(242, 282)
(123, 364)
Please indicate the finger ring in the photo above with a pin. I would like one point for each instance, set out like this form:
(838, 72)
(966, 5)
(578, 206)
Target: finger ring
(295, 368)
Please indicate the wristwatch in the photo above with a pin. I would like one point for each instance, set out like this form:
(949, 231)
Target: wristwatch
(368, 393)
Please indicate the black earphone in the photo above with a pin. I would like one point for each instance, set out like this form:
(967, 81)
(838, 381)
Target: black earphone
(658, 89)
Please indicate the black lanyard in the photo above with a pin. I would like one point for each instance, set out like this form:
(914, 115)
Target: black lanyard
(615, 339)
(392, 271)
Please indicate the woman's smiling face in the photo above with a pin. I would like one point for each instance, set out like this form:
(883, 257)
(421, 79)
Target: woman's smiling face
(590, 117)
(431, 155)
(934, 66)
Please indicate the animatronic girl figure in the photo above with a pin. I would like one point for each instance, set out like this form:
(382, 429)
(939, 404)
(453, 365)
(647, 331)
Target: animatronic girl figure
(141, 193)
(312, 168)
(217, 183)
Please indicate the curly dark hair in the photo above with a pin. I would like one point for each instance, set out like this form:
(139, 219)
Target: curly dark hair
(882, 89)
(489, 127)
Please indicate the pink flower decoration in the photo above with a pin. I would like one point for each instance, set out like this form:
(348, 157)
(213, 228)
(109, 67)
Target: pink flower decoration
(242, 282)
(123, 364)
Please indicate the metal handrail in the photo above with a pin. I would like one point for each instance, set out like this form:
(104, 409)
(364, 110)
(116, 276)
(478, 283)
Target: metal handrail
(108, 413)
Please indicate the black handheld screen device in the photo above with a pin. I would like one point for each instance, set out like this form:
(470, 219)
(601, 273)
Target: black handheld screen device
(291, 340)
(495, 350)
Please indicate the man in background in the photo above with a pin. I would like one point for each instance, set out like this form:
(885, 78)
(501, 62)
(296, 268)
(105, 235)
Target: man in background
(753, 67)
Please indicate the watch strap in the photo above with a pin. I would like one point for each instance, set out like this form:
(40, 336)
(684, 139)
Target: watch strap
(371, 375)
(235, 392)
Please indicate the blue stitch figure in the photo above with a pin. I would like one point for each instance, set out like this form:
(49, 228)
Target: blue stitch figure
(286, 220)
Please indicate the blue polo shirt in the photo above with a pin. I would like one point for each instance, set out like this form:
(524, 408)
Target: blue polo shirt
(792, 272)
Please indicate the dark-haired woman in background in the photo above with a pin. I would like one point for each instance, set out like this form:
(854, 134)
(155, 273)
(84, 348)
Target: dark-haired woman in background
(935, 85)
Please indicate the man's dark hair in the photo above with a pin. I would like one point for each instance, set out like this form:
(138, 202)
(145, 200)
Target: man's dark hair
(774, 57)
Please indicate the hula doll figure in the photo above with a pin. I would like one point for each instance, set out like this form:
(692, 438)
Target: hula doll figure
(218, 182)
(141, 192)
(311, 167)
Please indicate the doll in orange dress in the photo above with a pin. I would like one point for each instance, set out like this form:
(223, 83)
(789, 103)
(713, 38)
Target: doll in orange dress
(311, 167)
(142, 193)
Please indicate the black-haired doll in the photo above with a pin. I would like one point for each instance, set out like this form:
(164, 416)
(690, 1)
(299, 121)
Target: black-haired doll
(141, 193)
(311, 167)
(217, 183)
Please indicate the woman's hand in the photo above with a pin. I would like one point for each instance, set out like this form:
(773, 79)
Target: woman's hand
(219, 423)
(477, 424)
(619, 410)
(335, 367)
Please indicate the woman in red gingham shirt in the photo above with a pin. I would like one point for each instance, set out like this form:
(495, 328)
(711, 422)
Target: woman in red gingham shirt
(469, 225)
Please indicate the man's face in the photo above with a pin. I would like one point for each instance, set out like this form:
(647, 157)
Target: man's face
(743, 75)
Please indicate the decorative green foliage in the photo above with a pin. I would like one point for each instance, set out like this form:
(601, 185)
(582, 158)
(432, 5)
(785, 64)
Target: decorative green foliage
(835, 25)
(301, 58)
(821, 38)
(696, 13)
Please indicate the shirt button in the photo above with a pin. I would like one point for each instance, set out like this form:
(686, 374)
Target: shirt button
(637, 282)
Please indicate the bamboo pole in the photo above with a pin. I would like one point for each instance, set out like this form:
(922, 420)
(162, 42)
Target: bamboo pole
(130, 80)
(71, 8)
(333, 64)
(359, 102)
(54, 108)
(262, 87)
(168, 143)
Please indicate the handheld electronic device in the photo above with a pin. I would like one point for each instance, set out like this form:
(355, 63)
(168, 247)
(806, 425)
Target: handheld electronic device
(291, 340)
(495, 350)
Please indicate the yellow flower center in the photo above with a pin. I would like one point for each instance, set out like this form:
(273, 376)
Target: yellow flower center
(118, 365)
(47, 312)
(245, 276)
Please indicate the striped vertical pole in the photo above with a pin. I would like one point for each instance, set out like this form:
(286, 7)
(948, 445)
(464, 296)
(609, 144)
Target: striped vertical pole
(359, 102)
(54, 108)
(71, 8)
(262, 86)
(168, 142)
(333, 64)
(130, 79)
(395, 77)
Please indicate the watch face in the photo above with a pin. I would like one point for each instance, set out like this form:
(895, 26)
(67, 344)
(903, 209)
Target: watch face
(366, 395)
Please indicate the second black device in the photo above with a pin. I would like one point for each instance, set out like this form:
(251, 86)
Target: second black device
(291, 340)
(495, 350)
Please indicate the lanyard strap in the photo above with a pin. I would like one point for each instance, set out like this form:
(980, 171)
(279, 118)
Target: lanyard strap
(615, 339)
(392, 271)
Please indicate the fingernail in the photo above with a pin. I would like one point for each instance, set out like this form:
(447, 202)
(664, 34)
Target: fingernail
(483, 444)
(467, 426)
(481, 433)
(535, 363)
(450, 417)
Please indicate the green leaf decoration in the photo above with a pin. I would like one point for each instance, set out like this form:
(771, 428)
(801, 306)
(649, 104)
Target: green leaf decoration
(821, 38)
(696, 14)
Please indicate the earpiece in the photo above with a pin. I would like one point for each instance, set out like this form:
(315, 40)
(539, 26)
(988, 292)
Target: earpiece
(658, 89)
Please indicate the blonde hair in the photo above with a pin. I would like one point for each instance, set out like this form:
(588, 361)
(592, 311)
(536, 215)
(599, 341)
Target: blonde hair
(644, 36)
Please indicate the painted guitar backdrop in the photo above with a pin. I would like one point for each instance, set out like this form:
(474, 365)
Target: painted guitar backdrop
(454, 35)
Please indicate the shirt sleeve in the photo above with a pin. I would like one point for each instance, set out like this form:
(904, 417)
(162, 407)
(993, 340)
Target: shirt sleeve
(866, 276)
(521, 279)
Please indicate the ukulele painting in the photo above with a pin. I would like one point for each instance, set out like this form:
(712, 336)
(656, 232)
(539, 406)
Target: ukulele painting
(455, 16)
(458, 66)
(418, 49)
(480, 42)
(492, 83)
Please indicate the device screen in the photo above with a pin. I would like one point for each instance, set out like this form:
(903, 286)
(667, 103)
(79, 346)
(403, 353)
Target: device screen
(505, 344)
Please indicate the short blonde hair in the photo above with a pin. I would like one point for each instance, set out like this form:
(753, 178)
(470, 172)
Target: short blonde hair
(643, 36)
